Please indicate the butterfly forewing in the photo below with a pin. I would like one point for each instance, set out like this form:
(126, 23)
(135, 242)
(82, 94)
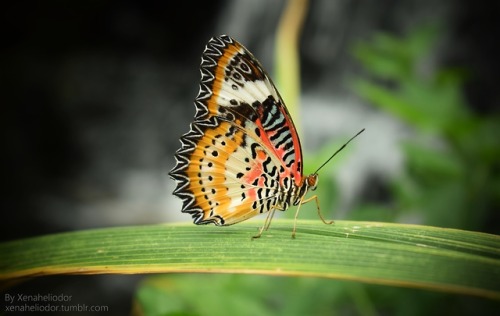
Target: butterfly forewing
(242, 150)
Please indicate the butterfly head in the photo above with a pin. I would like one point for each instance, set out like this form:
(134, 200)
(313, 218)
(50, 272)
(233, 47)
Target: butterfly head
(312, 181)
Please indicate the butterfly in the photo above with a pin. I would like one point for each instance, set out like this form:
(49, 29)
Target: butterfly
(242, 155)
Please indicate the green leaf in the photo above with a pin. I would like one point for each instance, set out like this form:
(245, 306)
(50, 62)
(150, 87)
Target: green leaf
(382, 253)
(386, 57)
(433, 162)
(392, 58)
(391, 102)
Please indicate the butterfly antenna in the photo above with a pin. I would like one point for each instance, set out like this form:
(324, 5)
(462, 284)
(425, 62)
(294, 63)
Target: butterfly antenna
(338, 150)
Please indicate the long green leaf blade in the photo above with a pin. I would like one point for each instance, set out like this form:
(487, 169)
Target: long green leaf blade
(394, 254)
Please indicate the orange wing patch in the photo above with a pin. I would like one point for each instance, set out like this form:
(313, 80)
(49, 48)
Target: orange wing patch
(227, 179)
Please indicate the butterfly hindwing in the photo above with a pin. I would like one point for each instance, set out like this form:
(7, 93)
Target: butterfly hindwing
(242, 150)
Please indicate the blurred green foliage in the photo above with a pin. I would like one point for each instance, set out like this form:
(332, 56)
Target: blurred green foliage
(452, 169)
(212, 294)
(451, 179)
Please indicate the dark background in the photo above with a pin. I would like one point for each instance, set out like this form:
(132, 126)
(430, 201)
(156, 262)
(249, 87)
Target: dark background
(95, 95)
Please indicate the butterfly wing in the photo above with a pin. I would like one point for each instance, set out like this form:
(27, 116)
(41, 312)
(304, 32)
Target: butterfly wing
(242, 149)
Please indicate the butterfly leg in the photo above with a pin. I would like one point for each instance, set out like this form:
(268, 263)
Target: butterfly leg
(267, 223)
(314, 197)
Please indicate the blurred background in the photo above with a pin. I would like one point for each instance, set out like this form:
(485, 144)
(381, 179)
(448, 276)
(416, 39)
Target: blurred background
(97, 93)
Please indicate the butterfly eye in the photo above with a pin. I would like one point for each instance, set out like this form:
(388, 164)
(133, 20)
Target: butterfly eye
(312, 181)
